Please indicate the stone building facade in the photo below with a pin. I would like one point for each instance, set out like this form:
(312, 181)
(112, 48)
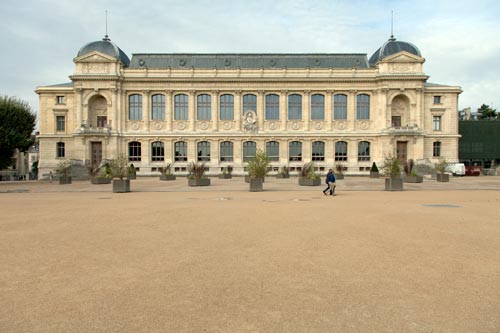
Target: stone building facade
(220, 108)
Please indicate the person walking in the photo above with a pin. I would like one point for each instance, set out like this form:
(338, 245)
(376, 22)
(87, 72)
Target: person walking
(330, 183)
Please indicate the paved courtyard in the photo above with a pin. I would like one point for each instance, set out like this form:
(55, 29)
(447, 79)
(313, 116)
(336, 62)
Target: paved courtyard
(171, 258)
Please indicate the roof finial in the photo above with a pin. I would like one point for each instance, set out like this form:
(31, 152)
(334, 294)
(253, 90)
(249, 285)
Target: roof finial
(106, 38)
(392, 26)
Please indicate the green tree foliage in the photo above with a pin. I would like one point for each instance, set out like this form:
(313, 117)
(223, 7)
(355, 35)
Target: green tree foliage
(486, 112)
(17, 123)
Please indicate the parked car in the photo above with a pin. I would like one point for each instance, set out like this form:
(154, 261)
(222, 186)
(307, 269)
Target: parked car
(456, 169)
(473, 170)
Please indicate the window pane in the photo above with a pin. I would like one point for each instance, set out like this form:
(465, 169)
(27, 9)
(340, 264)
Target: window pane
(436, 149)
(273, 150)
(364, 151)
(340, 107)
(227, 107)
(158, 107)
(226, 151)
(295, 107)
(157, 151)
(295, 151)
(180, 149)
(204, 151)
(340, 151)
(204, 107)
(249, 150)
(317, 107)
(181, 107)
(363, 107)
(272, 107)
(318, 151)
(436, 123)
(134, 151)
(135, 107)
(60, 151)
(249, 103)
(61, 123)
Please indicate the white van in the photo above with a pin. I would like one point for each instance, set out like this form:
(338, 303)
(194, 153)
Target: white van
(456, 169)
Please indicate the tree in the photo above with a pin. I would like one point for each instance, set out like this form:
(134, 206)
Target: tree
(486, 112)
(17, 123)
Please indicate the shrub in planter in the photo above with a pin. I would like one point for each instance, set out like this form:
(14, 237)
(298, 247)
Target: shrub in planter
(166, 172)
(226, 172)
(339, 171)
(308, 177)
(257, 169)
(374, 171)
(64, 171)
(196, 175)
(440, 168)
(284, 172)
(131, 172)
(392, 169)
(119, 171)
(410, 173)
(100, 175)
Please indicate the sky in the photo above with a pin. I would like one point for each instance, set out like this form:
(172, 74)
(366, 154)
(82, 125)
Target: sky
(459, 39)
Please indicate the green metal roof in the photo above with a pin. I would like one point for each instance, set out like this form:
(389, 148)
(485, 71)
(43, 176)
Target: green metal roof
(247, 61)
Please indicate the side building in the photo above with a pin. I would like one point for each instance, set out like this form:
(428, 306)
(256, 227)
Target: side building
(221, 108)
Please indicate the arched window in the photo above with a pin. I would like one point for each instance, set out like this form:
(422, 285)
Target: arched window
(180, 151)
(203, 151)
(273, 151)
(436, 149)
(317, 107)
(249, 103)
(295, 151)
(363, 151)
(226, 107)
(134, 151)
(249, 150)
(340, 151)
(362, 107)
(181, 107)
(158, 107)
(204, 107)
(318, 151)
(60, 150)
(135, 107)
(340, 107)
(294, 107)
(157, 151)
(226, 151)
(272, 107)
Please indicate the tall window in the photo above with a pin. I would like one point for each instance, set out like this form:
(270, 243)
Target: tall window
(363, 151)
(362, 107)
(340, 151)
(226, 107)
(436, 149)
(135, 107)
(226, 151)
(180, 151)
(181, 107)
(203, 151)
(134, 151)
(157, 151)
(158, 107)
(249, 102)
(295, 151)
(272, 107)
(60, 150)
(249, 150)
(317, 107)
(318, 151)
(295, 107)
(60, 123)
(273, 151)
(204, 107)
(436, 123)
(340, 107)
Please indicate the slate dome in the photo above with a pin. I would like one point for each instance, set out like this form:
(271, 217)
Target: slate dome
(393, 46)
(107, 47)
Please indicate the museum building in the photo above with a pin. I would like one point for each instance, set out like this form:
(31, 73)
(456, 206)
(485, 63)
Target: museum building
(221, 108)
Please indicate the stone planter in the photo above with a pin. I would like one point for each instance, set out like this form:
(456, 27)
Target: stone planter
(225, 176)
(167, 177)
(309, 182)
(64, 180)
(256, 184)
(199, 182)
(247, 179)
(98, 181)
(443, 177)
(374, 174)
(394, 184)
(282, 176)
(121, 185)
(339, 177)
(131, 176)
(413, 179)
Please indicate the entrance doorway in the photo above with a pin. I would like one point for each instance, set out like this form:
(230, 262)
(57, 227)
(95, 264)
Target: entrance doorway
(402, 151)
(96, 153)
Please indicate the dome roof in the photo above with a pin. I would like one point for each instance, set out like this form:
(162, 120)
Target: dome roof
(392, 46)
(107, 47)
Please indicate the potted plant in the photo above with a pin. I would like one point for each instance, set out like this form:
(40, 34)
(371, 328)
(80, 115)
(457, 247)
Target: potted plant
(284, 172)
(440, 168)
(392, 169)
(411, 175)
(64, 171)
(257, 171)
(119, 171)
(131, 172)
(226, 172)
(308, 177)
(196, 175)
(374, 171)
(100, 175)
(339, 171)
(166, 172)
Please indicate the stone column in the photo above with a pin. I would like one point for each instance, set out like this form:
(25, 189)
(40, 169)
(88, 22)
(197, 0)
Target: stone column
(351, 108)
(169, 110)
(306, 109)
(237, 109)
(328, 110)
(261, 105)
(79, 108)
(114, 109)
(283, 109)
(191, 110)
(215, 110)
(145, 109)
